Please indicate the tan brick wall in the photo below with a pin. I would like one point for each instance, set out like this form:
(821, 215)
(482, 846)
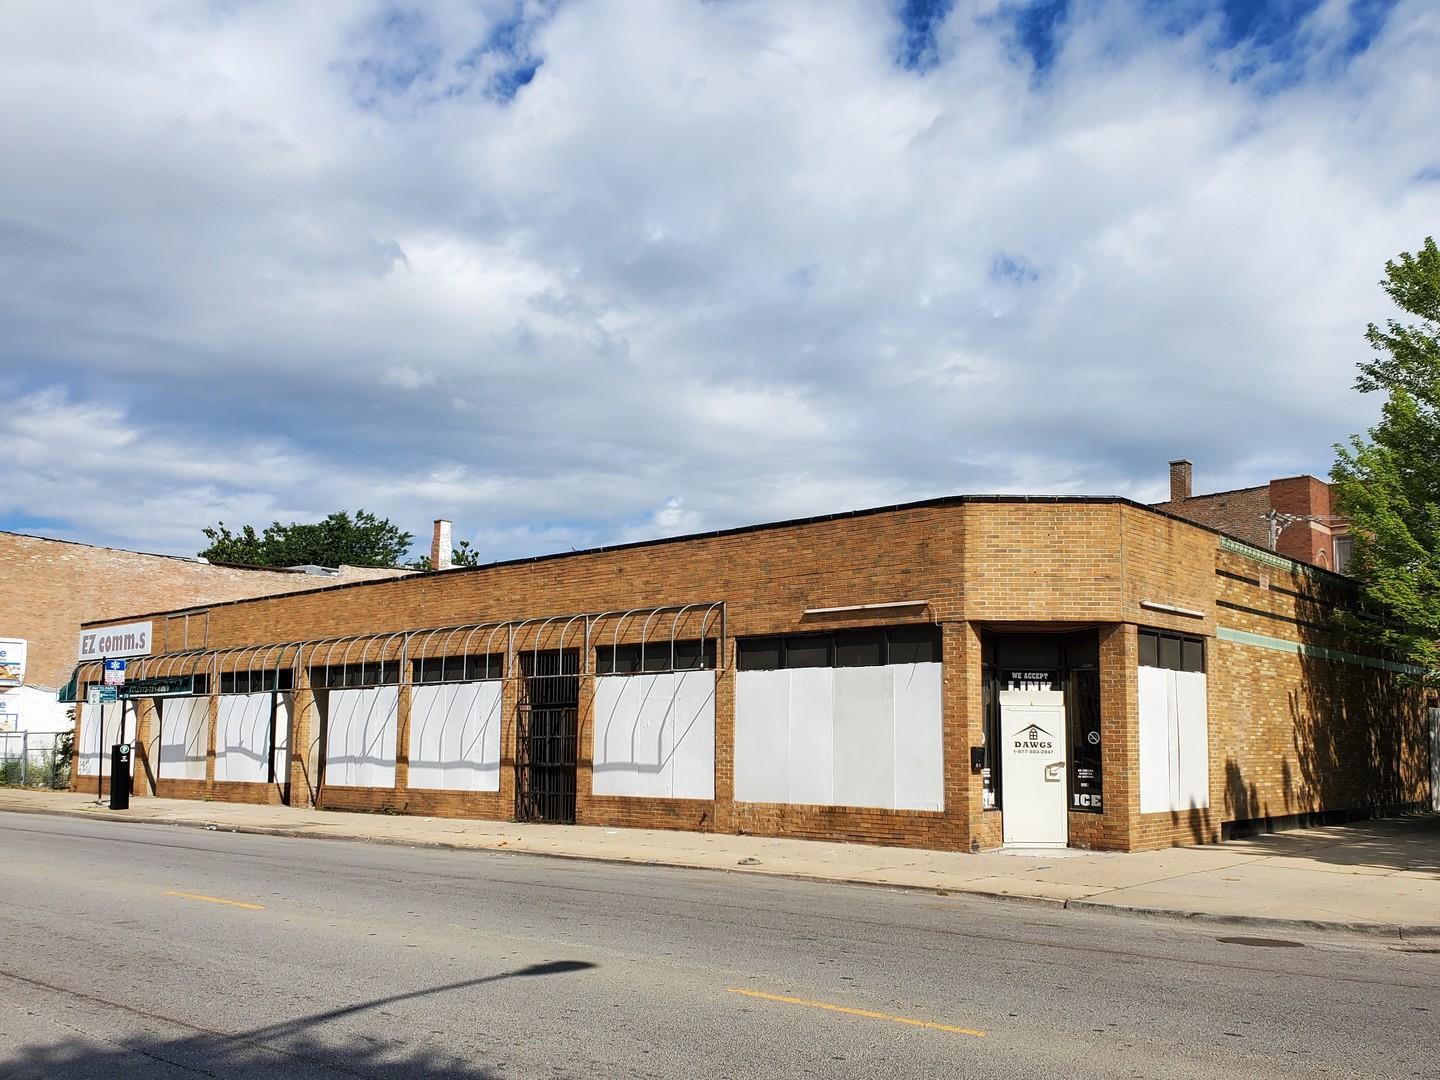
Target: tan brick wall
(1301, 735)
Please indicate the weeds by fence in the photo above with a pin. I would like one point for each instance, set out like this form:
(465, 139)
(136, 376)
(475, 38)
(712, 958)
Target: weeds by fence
(35, 760)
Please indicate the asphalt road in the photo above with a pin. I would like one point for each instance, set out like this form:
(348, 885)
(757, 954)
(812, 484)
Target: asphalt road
(146, 951)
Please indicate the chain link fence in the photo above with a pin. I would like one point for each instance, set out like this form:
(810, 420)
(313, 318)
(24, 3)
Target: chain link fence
(35, 759)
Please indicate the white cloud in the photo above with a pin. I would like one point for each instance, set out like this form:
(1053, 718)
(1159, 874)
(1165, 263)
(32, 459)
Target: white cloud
(713, 264)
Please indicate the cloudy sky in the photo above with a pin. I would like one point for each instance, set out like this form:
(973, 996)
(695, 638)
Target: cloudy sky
(578, 271)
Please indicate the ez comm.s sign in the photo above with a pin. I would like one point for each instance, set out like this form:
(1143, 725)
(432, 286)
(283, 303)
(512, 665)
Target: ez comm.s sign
(132, 639)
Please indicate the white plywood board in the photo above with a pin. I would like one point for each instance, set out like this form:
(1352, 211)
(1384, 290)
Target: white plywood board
(919, 737)
(1434, 715)
(102, 723)
(762, 736)
(455, 736)
(632, 752)
(864, 746)
(360, 737)
(242, 738)
(693, 775)
(284, 713)
(1193, 749)
(1154, 694)
(811, 743)
(184, 738)
(865, 737)
(652, 734)
(655, 735)
(617, 703)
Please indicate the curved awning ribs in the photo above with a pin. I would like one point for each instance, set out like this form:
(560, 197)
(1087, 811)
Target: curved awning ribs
(355, 660)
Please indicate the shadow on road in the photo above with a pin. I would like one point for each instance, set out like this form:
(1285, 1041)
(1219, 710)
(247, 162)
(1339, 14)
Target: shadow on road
(287, 1049)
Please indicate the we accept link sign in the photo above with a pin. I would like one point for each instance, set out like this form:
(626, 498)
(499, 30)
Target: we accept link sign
(132, 639)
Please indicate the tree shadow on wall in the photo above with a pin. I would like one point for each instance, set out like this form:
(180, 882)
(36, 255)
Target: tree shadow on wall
(1200, 823)
(1359, 748)
(282, 1051)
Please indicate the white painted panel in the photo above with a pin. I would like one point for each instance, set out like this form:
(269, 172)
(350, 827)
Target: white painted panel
(864, 736)
(1154, 740)
(92, 720)
(632, 755)
(242, 738)
(184, 738)
(360, 737)
(694, 738)
(762, 733)
(919, 739)
(284, 713)
(617, 701)
(95, 756)
(652, 739)
(1193, 757)
(811, 738)
(455, 736)
(1434, 759)
(655, 735)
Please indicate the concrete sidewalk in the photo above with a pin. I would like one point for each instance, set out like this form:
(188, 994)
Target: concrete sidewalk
(1377, 877)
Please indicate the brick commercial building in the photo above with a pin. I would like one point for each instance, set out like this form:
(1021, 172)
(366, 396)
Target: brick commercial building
(960, 673)
(1292, 516)
(48, 586)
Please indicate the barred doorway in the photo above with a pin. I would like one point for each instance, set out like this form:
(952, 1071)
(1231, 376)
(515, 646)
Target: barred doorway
(547, 736)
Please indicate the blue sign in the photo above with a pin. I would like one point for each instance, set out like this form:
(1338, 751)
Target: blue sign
(114, 672)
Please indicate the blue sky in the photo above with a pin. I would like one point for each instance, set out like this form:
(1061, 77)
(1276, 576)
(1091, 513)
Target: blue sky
(573, 272)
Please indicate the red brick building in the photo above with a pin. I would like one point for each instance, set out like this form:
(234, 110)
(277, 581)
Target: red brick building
(959, 673)
(1292, 516)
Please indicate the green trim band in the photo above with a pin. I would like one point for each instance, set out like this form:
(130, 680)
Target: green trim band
(1295, 648)
(1262, 556)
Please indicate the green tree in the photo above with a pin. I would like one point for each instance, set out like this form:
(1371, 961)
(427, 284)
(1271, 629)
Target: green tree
(362, 540)
(1388, 484)
(464, 555)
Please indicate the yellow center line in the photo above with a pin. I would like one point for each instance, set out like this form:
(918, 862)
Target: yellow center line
(828, 1007)
(217, 900)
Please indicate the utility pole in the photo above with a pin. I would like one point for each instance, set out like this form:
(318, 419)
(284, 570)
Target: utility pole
(1277, 522)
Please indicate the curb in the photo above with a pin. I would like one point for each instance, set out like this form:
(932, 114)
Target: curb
(608, 860)
(1088, 906)
(1266, 922)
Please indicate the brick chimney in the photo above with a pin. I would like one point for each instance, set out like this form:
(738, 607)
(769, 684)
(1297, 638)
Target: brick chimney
(440, 546)
(1180, 470)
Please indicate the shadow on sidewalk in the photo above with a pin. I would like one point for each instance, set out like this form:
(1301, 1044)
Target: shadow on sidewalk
(1408, 843)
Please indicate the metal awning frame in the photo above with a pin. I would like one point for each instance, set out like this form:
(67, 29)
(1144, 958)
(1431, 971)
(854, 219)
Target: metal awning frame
(369, 653)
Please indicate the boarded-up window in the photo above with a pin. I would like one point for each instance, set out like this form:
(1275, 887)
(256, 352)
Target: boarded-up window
(455, 736)
(252, 738)
(655, 735)
(360, 735)
(841, 736)
(1174, 741)
(184, 737)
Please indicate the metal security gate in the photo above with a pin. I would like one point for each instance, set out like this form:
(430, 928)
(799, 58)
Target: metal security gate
(547, 736)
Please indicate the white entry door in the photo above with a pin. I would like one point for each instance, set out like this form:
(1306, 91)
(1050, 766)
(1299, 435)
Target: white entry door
(1032, 760)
